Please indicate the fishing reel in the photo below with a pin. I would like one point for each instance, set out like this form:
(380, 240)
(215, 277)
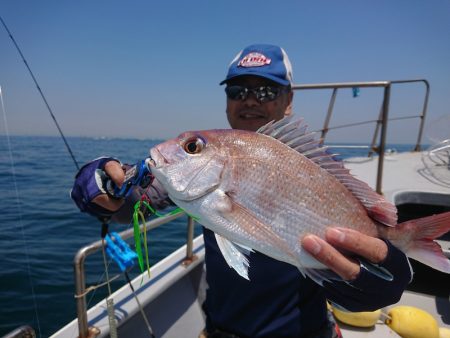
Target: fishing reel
(137, 175)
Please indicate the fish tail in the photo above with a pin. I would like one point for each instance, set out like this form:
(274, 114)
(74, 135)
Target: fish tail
(416, 239)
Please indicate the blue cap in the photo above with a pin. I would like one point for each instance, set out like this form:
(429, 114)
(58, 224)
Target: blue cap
(268, 61)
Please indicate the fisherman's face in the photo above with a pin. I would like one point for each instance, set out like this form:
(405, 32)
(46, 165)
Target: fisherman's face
(251, 114)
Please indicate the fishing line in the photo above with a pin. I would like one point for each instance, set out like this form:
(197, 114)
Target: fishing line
(63, 138)
(19, 209)
(78, 168)
(42, 94)
(44, 99)
(141, 309)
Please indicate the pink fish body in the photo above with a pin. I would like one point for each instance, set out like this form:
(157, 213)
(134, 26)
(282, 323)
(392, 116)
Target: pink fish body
(265, 191)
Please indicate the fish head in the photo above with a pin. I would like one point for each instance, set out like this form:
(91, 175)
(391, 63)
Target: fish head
(190, 165)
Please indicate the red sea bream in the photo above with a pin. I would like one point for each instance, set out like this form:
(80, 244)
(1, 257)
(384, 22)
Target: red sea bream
(265, 191)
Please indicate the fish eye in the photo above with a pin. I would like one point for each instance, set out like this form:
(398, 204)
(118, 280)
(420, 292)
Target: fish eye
(194, 145)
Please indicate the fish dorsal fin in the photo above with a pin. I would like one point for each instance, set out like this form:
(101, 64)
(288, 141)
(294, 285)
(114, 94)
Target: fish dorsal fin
(235, 255)
(294, 133)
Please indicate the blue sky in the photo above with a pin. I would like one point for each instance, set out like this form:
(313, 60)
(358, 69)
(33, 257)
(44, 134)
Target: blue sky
(151, 69)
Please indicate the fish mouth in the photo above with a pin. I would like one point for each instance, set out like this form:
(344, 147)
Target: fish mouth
(150, 163)
(157, 160)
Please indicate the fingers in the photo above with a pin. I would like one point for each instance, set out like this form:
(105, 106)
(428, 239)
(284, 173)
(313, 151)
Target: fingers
(115, 171)
(346, 268)
(373, 249)
(105, 201)
(350, 241)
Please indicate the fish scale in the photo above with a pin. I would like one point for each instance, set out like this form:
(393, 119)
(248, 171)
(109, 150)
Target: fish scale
(300, 183)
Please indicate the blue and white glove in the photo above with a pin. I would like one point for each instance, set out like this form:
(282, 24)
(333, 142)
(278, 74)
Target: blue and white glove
(89, 183)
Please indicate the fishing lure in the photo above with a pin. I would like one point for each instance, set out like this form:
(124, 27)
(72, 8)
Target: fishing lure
(138, 214)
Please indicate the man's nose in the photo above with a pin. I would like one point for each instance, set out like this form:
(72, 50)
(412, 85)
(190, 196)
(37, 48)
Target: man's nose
(251, 100)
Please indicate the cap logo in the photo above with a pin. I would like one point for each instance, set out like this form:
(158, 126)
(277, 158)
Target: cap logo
(254, 60)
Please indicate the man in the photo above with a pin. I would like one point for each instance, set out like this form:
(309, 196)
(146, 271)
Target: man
(277, 301)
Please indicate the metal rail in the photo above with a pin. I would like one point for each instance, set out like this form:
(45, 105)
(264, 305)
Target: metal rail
(24, 331)
(381, 122)
(83, 253)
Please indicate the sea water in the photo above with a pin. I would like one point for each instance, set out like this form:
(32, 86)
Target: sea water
(41, 229)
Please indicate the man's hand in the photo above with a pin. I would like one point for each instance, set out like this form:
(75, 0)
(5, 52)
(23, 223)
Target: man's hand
(115, 171)
(339, 240)
(88, 192)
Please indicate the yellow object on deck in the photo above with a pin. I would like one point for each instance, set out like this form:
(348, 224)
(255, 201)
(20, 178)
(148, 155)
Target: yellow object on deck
(412, 322)
(358, 319)
(444, 332)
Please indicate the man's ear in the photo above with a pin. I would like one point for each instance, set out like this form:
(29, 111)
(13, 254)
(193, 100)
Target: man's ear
(289, 106)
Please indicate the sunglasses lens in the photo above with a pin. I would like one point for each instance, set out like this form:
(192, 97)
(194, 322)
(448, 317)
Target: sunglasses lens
(236, 92)
(266, 93)
(263, 94)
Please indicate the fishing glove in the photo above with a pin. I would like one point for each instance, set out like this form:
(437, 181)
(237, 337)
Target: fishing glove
(369, 292)
(89, 183)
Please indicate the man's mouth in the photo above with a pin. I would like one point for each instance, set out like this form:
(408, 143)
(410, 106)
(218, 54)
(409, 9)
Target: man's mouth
(251, 115)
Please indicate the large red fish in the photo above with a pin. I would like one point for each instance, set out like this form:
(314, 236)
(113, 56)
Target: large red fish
(264, 191)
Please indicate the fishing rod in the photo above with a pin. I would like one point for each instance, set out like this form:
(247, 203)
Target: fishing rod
(42, 94)
(135, 177)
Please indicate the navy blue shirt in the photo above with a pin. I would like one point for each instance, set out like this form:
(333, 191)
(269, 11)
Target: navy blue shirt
(278, 301)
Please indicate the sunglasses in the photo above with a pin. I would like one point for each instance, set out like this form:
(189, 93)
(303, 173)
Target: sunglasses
(262, 93)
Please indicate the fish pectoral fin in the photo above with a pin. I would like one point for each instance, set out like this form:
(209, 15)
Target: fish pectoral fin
(325, 275)
(252, 227)
(235, 255)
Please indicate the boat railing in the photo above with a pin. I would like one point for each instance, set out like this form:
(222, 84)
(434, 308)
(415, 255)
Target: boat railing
(83, 253)
(381, 122)
(24, 331)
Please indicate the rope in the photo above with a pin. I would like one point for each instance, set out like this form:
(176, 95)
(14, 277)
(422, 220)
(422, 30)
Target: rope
(109, 301)
(96, 286)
